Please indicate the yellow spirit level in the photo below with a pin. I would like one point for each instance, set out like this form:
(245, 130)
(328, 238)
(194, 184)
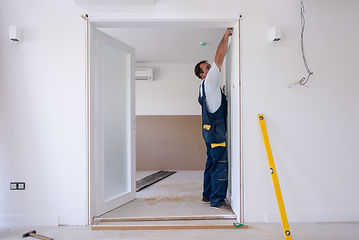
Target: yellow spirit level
(278, 193)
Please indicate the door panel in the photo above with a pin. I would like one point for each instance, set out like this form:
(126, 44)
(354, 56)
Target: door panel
(115, 103)
(235, 122)
(112, 121)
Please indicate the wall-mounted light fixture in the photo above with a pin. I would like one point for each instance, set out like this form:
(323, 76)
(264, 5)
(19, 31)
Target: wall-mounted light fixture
(15, 34)
(275, 34)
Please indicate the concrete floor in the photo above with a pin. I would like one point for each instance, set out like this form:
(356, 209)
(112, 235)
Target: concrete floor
(177, 195)
(160, 199)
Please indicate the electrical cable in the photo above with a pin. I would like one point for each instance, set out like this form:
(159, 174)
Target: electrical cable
(304, 80)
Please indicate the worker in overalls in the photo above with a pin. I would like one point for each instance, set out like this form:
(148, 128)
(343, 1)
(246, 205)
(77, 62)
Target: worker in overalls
(214, 128)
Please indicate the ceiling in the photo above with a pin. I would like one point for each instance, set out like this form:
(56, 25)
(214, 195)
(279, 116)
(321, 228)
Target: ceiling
(170, 45)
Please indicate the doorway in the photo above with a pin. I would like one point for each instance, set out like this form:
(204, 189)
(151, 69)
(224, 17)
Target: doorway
(234, 90)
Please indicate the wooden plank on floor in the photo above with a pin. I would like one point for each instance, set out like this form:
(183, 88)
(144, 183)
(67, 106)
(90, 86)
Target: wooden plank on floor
(167, 227)
(167, 218)
(151, 179)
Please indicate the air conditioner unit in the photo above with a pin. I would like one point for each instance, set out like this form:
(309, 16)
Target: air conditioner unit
(145, 74)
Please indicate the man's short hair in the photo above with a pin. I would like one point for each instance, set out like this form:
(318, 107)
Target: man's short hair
(198, 70)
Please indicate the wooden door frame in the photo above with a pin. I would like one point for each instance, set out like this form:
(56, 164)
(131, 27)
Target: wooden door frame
(161, 20)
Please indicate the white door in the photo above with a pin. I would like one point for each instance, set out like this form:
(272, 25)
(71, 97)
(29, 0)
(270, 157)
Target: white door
(233, 92)
(234, 84)
(112, 122)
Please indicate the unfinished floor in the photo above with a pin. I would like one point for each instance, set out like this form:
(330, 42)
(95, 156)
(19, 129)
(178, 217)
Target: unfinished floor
(180, 195)
(172, 203)
(177, 195)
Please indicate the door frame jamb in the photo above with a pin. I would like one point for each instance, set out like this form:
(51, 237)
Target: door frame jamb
(162, 20)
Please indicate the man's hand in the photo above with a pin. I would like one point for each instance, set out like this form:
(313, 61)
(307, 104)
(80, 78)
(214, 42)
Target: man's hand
(229, 31)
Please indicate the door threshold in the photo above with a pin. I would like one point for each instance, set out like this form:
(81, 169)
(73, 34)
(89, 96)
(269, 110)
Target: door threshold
(167, 218)
(171, 225)
(225, 221)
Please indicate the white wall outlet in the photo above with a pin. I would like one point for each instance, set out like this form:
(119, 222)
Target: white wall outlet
(17, 186)
(21, 186)
(13, 186)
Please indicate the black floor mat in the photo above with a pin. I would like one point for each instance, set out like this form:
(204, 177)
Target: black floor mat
(151, 179)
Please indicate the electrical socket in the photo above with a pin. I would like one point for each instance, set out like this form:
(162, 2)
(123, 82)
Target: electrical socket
(21, 186)
(13, 186)
(17, 186)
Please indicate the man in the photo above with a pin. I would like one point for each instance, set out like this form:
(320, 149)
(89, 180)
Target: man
(214, 124)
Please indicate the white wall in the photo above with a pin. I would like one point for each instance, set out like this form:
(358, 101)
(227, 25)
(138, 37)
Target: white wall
(42, 114)
(174, 90)
(313, 130)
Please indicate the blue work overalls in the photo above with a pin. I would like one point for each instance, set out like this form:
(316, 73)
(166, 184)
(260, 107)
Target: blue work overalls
(214, 127)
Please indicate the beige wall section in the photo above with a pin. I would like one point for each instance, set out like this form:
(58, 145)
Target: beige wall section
(170, 143)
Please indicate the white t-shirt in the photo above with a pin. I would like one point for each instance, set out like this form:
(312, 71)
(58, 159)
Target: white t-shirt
(212, 89)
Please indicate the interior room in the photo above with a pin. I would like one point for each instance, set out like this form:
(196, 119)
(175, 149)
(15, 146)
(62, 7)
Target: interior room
(312, 128)
(167, 109)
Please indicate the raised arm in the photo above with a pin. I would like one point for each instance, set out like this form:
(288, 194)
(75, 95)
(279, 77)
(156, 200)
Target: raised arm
(222, 48)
